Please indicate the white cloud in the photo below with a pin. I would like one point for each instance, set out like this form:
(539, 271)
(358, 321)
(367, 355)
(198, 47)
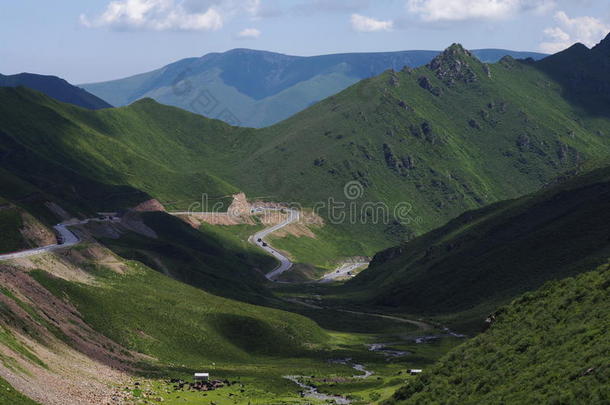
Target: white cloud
(160, 15)
(588, 30)
(460, 10)
(249, 33)
(366, 24)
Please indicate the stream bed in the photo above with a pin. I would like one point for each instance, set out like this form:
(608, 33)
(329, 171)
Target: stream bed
(309, 391)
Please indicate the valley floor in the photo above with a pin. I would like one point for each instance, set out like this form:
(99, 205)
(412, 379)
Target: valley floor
(102, 301)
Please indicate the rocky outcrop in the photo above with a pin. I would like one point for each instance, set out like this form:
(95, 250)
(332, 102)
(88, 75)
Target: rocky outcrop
(408, 162)
(404, 105)
(523, 142)
(394, 81)
(390, 160)
(474, 124)
(401, 165)
(567, 154)
(424, 83)
(454, 65)
(365, 152)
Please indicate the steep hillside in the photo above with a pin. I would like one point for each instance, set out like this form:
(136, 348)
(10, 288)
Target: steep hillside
(200, 258)
(428, 143)
(21, 230)
(91, 316)
(484, 258)
(548, 346)
(418, 147)
(585, 75)
(70, 162)
(55, 87)
(142, 148)
(257, 88)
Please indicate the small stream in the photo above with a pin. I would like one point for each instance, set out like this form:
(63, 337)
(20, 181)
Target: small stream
(429, 338)
(312, 392)
(382, 348)
(309, 391)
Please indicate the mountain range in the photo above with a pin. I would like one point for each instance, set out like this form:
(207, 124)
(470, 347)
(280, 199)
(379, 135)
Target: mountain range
(450, 136)
(501, 173)
(257, 88)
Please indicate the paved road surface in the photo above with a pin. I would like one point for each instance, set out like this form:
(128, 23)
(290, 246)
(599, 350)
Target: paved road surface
(259, 240)
(341, 271)
(68, 238)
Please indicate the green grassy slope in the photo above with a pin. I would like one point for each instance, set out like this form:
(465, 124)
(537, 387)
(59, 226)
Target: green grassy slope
(11, 222)
(442, 139)
(145, 147)
(206, 258)
(235, 237)
(183, 329)
(428, 143)
(30, 180)
(549, 346)
(484, 258)
(89, 161)
(179, 324)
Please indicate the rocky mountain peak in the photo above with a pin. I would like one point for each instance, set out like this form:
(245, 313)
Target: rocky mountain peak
(457, 50)
(453, 65)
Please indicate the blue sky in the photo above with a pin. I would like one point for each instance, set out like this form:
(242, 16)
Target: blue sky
(105, 39)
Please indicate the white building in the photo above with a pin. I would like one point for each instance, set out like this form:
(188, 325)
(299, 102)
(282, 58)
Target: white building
(201, 376)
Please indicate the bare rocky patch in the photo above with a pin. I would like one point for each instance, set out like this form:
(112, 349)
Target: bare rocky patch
(62, 360)
(36, 233)
(304, 227)
(149, 206)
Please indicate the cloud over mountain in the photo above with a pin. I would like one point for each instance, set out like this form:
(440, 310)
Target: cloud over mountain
(162, 15)
(363, 23)
(568, 31)
(460, 10)
(249, 33)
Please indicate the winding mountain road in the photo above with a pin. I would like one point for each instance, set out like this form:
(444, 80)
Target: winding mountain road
(285, 264)
(66, 238)
(259, 240)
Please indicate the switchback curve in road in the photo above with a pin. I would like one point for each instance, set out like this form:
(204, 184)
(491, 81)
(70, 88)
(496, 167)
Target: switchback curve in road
(259, 240)
(67, 237)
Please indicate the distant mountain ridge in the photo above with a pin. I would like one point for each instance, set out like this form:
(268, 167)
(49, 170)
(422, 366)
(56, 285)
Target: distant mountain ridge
(55, 87)
(258, 88)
